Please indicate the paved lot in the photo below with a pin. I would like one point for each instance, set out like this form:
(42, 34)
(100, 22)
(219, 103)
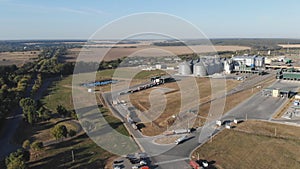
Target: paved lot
(261, 107)
(257, 107)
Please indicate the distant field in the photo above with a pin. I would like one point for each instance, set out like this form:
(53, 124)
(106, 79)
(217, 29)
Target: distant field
(253, 144)
(17, 58)
(115, 53)
(289, 45)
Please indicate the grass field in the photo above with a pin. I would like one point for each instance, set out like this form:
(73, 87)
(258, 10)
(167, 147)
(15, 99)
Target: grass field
(60, 93)
(87, 153)
(253, 144)
(17, 58)
(124, 73)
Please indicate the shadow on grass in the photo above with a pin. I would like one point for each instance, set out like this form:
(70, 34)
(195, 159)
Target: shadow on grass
(26, 131)
(61, 155)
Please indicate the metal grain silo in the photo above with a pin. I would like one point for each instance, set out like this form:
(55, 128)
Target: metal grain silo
(212, 68)
(219, 66)
(259, 61)
(200, 69)
(185, 68)
(192, 66)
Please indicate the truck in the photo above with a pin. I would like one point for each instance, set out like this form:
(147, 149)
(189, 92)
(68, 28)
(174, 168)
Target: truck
(134, 126)
(181, 139)
(182, 131)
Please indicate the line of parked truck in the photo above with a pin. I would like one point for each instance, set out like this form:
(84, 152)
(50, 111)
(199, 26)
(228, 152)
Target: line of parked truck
(143, 87)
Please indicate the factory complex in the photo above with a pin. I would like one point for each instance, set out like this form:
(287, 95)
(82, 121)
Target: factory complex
(207, 66)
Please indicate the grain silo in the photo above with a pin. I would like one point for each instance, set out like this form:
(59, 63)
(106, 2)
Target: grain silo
(259, 61)
(219, 66)
(200, 69)
(212, 68)
(185, 68)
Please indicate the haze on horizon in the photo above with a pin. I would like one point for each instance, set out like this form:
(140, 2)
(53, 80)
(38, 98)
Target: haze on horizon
(216, 19)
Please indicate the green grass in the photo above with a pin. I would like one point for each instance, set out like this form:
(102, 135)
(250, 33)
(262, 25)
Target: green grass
(125, 73)
(147, 74)
(87, 155)
(60, 93)
(114, 122)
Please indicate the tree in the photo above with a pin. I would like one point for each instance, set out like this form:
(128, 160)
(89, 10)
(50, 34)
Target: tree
(72, 133)
(29, 109)
(44, 113)
(62, 111)
(16, 160)
(74, 115)
(26, 144)
(37, 145)
(16, 163)
(59, 131)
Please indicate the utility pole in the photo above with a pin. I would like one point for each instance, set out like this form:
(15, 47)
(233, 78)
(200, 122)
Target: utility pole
(246, 117)
(73, 159)
(275, 131)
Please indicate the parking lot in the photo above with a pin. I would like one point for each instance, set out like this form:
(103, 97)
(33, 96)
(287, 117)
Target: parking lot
(133, 161)
(258, 106)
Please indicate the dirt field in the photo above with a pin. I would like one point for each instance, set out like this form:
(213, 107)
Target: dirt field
(115, 53)
(167, 139)
(141, 101)
(17, 58)
(290, 45)
(253, 144)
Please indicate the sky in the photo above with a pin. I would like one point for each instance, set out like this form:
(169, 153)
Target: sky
(78, 19)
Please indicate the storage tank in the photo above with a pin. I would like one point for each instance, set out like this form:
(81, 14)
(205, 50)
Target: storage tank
(219, 66)
(185, 68)
(212, 68)
(200, 69)
(192, 66)
(259, 61)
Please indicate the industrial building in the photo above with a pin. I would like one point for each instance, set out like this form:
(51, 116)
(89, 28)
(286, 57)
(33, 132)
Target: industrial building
(276, 92)
(288, 75)
(248, 62)
(206, 66)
